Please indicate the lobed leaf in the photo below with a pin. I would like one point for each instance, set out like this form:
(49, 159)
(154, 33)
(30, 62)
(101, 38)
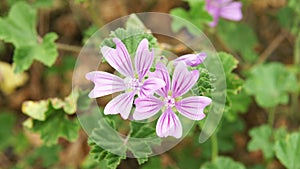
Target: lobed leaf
(221, 162)
(272, 80)
(287, 150)
(50, 118)
(261, 139)
(19, 28)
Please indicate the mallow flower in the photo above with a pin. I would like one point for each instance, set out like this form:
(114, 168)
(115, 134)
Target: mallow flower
(191, 59)
(227, 9)
(133, 83)
(171, 100)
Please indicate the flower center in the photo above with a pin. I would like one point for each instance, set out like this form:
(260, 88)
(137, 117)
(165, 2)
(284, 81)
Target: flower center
(133, 83)
(169, 102)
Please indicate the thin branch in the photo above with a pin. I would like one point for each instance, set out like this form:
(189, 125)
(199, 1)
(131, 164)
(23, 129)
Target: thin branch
(270, 49)
(67, 47)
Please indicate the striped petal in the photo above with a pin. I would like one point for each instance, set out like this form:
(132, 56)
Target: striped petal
(121, 104)
(192, 107)
(183, 80)
(150, 86)
(161, 72)
(191, 59)
(143, 59)
(146, 107)
(168, 124)
(105, 83)
(118, 58)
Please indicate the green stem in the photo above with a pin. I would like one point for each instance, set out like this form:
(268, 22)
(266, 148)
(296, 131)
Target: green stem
(214, 147)
(271, 116)
(295, 96)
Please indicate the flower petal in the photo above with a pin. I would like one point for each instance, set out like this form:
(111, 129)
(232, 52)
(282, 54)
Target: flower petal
(213, 9)
(105, 83)
(121, 104)
(146, 107)
(150, 86)
(183, 80)
(168, 124)
(232, 11)
(118, 58)
(192, 107)
(191, 59)
(161, 72)
(143, 59)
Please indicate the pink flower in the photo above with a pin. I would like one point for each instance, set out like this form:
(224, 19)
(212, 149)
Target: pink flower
(191, 59)
(227, 9)
(191, 107)
(132, 84)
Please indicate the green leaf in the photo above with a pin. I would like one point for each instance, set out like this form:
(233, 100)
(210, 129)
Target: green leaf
(71, 102)
(112, 160)
(221, 162)
(225, 134)
(288, 151)
(197, 15)
(292, 11)
(46, 53)
(261, 139)
(229, 32)
(19, 28)
(10, 138)
(34, 3)
(154, 162)
(272, 80)
(141, 149)
(88, 33)
(233, 83)
(131, 37)
(106, 136)
(55, 126)
(50, 118)
(90, 163)
(36, 110)
(7, 122)
(134, 22)
(239, 103)
(48, 155)
(229, 63)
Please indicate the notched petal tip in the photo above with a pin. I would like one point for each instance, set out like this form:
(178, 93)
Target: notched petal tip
(144, 42)
(116, 40)
(169, 125)
(121, 104)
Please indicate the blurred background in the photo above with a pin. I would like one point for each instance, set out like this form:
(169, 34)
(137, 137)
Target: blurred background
(260, 127)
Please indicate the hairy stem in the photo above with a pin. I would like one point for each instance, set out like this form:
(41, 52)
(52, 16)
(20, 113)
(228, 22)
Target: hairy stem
(271, 116)
(214, 147)
(295, 96)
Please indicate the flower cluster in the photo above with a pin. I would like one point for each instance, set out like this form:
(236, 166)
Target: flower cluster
(155, 90)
